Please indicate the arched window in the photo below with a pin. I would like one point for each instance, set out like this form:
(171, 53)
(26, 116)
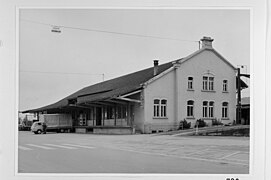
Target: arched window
(225, 85)
(211, 109)
(211, 83)
(163, 108)
(159, 108)
(190, 83)
(204, 109)
(205, 83)
(156, 107)
(190, 108)
(225, 110)
(208, 82)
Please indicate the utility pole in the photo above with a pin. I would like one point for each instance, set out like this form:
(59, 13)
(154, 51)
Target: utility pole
(238, 118)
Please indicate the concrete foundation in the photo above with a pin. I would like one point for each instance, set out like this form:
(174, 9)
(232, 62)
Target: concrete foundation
(113, 130)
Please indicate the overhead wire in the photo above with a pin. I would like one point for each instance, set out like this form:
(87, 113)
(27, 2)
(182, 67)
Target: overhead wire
(100, 31)
(110, 32)
(48, 72)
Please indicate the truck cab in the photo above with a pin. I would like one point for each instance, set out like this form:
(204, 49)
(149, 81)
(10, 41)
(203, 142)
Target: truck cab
(37, 127)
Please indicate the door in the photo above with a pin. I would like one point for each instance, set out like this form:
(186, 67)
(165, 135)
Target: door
(98, 116)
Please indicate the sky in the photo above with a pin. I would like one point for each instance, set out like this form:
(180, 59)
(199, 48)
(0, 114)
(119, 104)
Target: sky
(94, 42)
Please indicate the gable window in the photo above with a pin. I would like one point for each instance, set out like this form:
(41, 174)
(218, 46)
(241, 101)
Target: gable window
(225, 110)
(190, 83)
(205, 83)
(211, 83)
(159, 108)
(208, 83)
(190, 108)
(204, 109)
(225, 85)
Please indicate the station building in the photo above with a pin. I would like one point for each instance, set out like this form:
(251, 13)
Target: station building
(199, 86)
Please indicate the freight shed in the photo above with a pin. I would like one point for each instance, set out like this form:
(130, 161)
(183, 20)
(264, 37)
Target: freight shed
(199, 86)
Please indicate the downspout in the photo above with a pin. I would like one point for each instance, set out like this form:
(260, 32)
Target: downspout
(176, 94)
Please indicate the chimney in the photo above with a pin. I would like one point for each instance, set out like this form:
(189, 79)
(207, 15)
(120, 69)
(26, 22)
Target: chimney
(155, 67)
(207, 42)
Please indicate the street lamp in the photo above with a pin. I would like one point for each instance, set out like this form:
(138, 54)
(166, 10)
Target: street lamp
(56, 29)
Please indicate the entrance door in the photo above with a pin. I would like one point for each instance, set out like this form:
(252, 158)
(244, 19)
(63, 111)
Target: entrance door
(98, 116)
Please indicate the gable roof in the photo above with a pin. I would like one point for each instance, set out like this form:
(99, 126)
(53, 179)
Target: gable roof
(122, 85)
(109, 88)
(209, 49)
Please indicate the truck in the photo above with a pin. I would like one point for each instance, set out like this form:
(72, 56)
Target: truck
(55, 122)
(25, 125)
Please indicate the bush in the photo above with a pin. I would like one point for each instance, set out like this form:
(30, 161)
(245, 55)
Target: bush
(184, 124)
(216, 122)
(201, 123)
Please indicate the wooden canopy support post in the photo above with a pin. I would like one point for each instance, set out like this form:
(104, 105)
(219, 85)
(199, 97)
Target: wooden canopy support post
(94, 116)
(102, 116)
(115, 115)
(129, 114)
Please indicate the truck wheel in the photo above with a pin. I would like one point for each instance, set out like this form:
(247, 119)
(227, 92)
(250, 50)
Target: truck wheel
(62, 130)
(68, 130)
(39, 131)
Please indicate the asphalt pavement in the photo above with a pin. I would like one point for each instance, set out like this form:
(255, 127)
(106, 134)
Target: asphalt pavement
(89, 153)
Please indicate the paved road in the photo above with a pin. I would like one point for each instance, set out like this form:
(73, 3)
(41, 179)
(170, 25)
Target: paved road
(88, 153)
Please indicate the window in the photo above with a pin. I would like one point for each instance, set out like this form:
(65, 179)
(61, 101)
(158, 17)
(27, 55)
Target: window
(211, 109)
(159, 108)
(204, 110)
(225, 85)
(205, 82)
(190, 108)
(208, 109)
(211, 83)
(163, 108)
(156, 108)
(190, 82)
(225, 110)
(208, 83)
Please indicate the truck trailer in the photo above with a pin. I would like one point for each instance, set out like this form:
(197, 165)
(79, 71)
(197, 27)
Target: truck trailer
(57, 122)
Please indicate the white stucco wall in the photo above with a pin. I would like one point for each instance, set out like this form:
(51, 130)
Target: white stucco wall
(196, 67)
(163, 88)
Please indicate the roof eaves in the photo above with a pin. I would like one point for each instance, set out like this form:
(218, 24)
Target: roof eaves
(210, 49)
(224, 59)
(157, 77)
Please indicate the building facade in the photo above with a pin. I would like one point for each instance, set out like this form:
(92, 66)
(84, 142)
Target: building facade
(199, 86)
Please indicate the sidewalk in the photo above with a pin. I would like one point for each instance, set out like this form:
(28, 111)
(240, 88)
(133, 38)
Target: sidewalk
(204, 130)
